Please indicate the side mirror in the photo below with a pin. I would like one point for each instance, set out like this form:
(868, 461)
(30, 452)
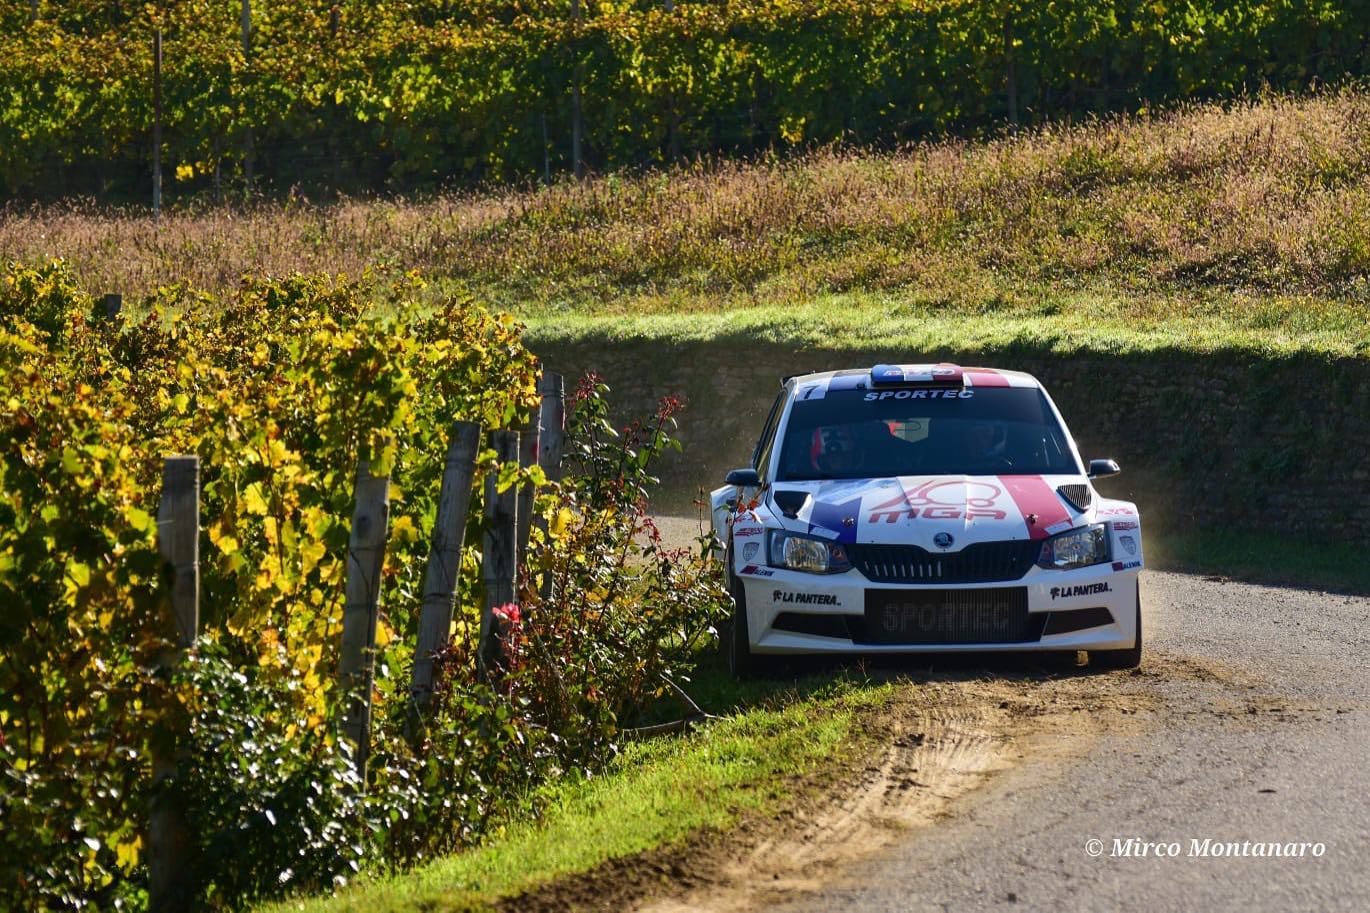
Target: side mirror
(744, 478)
(1100, 468)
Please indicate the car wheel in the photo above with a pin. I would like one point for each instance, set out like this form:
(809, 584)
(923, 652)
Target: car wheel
(737, 640)
(736, 637)
(1122, 659)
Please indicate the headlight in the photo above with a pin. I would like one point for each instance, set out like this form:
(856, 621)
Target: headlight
(805, 553)
(1077, 548)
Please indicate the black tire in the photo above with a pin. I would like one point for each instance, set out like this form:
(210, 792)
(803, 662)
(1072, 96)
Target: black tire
(1122, 659)
(736, 640)
(737, 646)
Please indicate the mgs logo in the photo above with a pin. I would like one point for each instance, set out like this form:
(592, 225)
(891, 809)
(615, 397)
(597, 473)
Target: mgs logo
(942, 501)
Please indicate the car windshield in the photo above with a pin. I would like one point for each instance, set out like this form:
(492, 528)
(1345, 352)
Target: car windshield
(860, 434)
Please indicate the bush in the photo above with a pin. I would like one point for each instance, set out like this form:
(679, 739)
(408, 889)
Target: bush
(380, 96)
(274, 803)
(612, 619)
(81, 618)
(280, 389)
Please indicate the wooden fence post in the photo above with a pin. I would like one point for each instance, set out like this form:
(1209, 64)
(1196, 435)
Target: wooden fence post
(444, 557)
(542, 445)
(528, 455)
(113, 304)
(365, 557)
(552, 424)
(577, 118)
(157, 123)
(249, 144)
(178, 540)
(500, 546)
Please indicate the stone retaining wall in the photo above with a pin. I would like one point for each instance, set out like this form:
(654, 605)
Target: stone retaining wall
(1227, 440)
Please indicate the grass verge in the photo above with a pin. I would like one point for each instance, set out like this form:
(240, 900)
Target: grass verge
(1057, 323)
(1259, 558)
(655, 794)
(1253, 214)
(658, 793)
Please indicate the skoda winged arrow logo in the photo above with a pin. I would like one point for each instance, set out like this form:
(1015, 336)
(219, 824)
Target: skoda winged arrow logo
(943, 540)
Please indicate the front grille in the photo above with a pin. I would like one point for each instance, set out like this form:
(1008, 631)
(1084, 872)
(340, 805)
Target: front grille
(984, 562)
(819, 624)
(997, 615)
(1063, 622)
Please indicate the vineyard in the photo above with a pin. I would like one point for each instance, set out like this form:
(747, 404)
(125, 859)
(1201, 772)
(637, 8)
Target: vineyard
(284, 390)
(355, 95)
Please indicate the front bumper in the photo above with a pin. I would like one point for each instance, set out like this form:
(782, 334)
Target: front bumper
(1066, 611)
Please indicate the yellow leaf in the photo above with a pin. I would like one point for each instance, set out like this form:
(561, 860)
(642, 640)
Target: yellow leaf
(404, 529)
(561, 522)
(138, 519)
(253, 500)
(310, 555)
(127, 853)
(79, 574)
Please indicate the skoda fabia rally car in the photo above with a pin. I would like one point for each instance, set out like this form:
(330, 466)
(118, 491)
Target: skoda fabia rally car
(927, 509)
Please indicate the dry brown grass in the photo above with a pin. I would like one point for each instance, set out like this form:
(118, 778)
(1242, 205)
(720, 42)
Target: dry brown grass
(1262, 196)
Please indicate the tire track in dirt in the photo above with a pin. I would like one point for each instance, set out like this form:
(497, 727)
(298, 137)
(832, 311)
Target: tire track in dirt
(942, 735)
(937, 741)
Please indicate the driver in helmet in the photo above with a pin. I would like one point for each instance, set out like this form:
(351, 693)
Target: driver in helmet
(986, 442)
(846, 450)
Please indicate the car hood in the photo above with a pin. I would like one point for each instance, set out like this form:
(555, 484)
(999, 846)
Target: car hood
(926, 510)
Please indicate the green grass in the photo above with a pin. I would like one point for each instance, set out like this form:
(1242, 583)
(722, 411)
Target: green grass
(1057, 322)
(660, 792)
(1257, 558)
(656, 793)
(1246, 223)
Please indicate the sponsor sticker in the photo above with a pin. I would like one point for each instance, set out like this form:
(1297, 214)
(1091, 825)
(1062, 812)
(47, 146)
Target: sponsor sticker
(887, 372)
(753, 571)
(1082, 589)
(743, 532)
(1117, 512)
(1121, 525)
(805, 598)
(912, 430)
(875, 396)
(1129, 544)
(749, 550)
(1126, 565)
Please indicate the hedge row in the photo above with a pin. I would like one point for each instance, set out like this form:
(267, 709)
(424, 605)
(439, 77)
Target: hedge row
(279, 388)
(358, 95)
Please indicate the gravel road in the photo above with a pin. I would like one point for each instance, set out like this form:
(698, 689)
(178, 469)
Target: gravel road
(1271, 745)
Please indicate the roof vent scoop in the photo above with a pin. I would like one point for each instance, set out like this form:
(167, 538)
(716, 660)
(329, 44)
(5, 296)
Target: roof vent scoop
(789, 500)
(1077, 496)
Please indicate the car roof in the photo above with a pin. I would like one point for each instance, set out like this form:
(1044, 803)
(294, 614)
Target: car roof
(973, 377)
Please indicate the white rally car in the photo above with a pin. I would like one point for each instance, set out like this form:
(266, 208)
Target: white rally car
(927, 509)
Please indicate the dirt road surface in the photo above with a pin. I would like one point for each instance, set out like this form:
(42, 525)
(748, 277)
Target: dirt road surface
(1248, 723)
